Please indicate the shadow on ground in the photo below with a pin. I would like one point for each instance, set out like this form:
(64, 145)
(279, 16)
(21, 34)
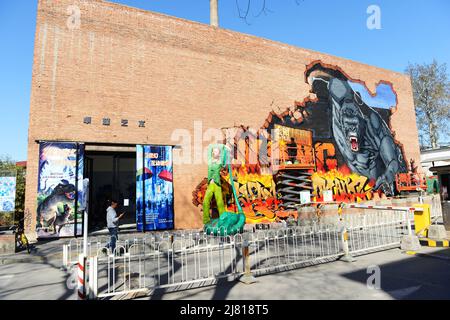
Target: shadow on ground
(420, 276)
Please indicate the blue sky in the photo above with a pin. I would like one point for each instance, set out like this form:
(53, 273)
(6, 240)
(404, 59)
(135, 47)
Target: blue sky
(411, 31)
(385, 97)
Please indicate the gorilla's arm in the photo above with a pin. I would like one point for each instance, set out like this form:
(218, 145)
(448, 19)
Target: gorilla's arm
(387, 153)
(338, 134)
(382, 138)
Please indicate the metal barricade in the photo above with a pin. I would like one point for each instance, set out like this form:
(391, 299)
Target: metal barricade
(186, 260)
(376, 228)
(183, 263)
(436, 207)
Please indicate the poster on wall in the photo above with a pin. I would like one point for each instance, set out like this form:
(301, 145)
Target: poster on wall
(7, 201)
(154, 188)
(60, 189)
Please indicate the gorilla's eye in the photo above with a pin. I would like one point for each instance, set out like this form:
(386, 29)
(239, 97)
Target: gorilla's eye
(349, 112)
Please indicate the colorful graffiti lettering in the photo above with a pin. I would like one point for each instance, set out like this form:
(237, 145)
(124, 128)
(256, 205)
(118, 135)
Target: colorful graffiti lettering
(252, 186)
(325, 156)
(256, 192)
(346, 186)
(257, 195)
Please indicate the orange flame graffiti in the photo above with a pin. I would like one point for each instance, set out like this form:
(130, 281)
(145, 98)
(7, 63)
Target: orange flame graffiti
(346, 185)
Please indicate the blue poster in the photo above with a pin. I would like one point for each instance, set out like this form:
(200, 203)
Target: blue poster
(154, 188)
(7, 201)
(59, 185)
(7, 194)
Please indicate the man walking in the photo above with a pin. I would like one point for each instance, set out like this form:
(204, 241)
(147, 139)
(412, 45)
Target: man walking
(112, 222)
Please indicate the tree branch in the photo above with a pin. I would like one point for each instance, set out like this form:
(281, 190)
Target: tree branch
(243, 13)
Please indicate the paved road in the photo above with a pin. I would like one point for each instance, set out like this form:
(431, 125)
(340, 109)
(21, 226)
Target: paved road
(402, 277)
(34, 281)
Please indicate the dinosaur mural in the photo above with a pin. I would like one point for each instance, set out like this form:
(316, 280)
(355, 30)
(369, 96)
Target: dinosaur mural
(59, 189)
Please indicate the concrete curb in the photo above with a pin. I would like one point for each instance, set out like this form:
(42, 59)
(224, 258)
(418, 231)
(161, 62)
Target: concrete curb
(434, 243)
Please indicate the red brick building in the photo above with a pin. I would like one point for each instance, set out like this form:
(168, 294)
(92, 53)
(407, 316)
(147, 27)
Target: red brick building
(160, 73)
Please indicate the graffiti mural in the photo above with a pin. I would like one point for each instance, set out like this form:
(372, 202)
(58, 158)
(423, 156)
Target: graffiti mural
(363, 138)
(256, 193)
(339, 141)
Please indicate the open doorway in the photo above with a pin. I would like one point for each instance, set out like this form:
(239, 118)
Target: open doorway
(445, 186)
(112, 175)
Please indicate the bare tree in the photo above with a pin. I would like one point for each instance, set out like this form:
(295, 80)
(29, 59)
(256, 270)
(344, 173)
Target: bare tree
(431, 90)
(244, 8)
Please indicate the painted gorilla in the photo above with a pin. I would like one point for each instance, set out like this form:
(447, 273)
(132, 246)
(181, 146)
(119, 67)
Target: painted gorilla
(364, 139)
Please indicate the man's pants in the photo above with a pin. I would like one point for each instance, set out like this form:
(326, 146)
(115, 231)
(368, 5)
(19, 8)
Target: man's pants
(216, 191)
(113, 232)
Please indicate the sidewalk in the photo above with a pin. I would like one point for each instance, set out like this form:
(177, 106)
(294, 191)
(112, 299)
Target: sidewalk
(40, 279)
(52, 250)
(42, 252)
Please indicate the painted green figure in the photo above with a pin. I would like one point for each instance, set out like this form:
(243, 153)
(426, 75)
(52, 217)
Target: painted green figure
(229, 222)
(216, 191)
(216, 161)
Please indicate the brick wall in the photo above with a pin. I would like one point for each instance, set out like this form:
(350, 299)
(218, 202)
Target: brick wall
(7, 244)
(125, 63)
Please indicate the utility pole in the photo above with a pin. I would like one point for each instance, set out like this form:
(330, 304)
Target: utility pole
(85, 206)
(83, 257)
(214, 14)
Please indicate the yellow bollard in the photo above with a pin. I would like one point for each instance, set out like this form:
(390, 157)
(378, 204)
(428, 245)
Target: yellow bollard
(422, 219)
